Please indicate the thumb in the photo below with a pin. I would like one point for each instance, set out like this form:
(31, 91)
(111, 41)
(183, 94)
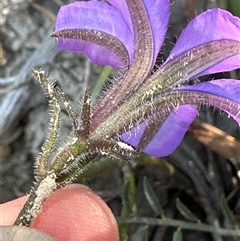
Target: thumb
(76, 213)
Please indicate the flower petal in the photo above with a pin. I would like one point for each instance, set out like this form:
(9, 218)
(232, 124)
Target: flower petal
(215, 24)
(158, 13)
(225, 88)
(196, 60)
(94, 15)
(121, 7)
(170, 134)
(138, 71)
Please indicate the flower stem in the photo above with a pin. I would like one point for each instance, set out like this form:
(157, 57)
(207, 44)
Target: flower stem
(34, 203)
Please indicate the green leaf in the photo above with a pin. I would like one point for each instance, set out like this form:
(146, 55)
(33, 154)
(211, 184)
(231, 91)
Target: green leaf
(186, 225)
(129, 192)
(128, 200)
(152, 198)
(101, 82)
(228, 214)
(183, 209)
(177, 236)
(144, 234)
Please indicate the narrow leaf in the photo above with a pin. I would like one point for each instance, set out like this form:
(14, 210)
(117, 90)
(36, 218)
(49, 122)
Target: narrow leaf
(228, 214)
(152, 198)
(177, 236)
(129, 192)
(183, 209)
(128, 200)
(144, 234)
(208, 228)
(101, 82)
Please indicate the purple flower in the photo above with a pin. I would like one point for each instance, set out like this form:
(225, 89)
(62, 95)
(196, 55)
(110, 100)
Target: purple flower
(152, 111)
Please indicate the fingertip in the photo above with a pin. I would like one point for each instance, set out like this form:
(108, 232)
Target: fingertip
(10, 210)
(76, 212)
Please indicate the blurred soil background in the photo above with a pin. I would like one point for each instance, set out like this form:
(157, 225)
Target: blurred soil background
(203, 169)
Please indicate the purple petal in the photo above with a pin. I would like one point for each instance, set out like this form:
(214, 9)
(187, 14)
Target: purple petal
(121, 7)
(94, 15)
(96, 53)
(215, 24)
(227, 88)
(158, 12)
(188, 65)
(170, 134)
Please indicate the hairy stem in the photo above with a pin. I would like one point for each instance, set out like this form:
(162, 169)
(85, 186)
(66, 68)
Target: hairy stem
(34, 203)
